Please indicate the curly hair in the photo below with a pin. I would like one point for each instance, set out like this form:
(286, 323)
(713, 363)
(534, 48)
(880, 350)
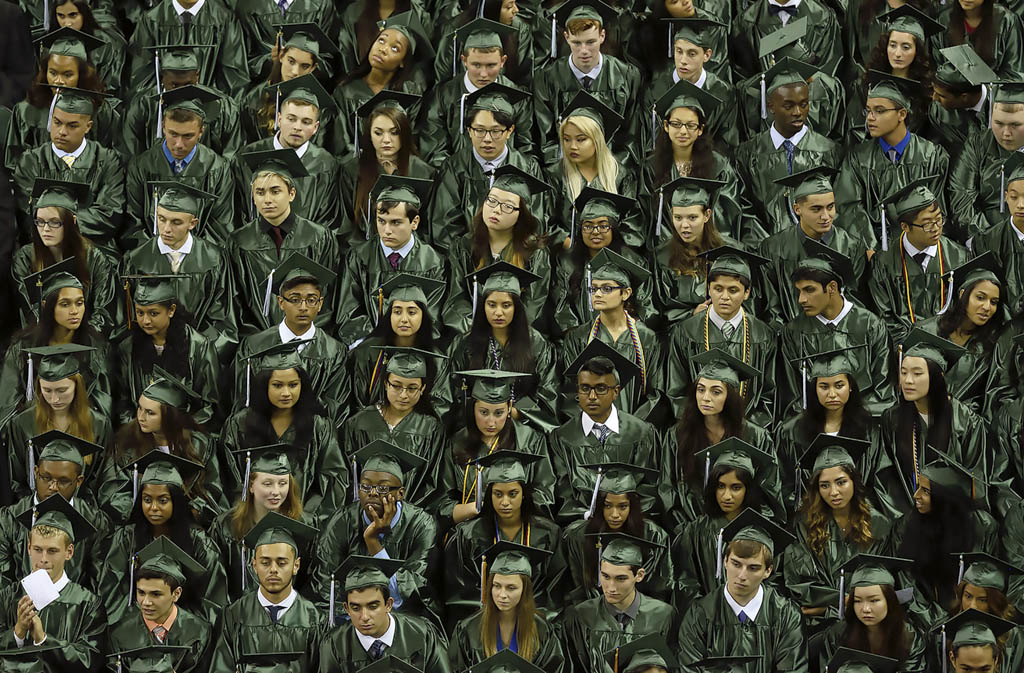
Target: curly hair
(920, 70)
(40, 94)
(816, 515)
(691, 435)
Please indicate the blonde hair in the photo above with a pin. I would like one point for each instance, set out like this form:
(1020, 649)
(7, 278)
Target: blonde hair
(526, 628)
(81, 417)
(266, 174)
(607, 166)
(243, 514)
(49, 531)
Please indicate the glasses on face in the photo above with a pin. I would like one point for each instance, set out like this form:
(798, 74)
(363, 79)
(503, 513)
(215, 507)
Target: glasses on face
(506, 208)
(599, 228)
(600, 389)
(878, 111)
(383, 489)
(407, 390)
(930, 225)
(61, 484)
(494, 134)
(605, 289)
(689, 126)
(310, 301)
(49, 224)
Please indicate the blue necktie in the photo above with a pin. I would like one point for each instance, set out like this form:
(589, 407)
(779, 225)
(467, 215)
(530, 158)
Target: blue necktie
(376, 650)
(743, 617)
(790, 151)
(179, 166)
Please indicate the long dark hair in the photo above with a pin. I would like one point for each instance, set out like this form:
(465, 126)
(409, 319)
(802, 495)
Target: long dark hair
(984, 35)
(579, 255)
(469, 449)
(986, 335)
(855, 635)
(528, 511)
(634, 526)
(753, 497)
(369, 170)
(920, 70)
(73, 245)
(180, 525)
(703, 160)
(89, 25)
(940, 416)
(518, 355)
(39, 93)
(492, 10)
(426, 404)
(691, 436)
(41, 333)
(175, 356)
(257, 428)
(856, 419)
(525, 240)
(424, 338)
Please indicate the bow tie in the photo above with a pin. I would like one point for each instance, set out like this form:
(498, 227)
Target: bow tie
(779, 9)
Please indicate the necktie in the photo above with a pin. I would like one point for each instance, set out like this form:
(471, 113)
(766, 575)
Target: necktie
(377, 649)
(602, 431)
(275, 233)
(921, 258)
(893, 157)
(176, 257)
(179, 166)
(186, 23)
(275, 611)
(69, 160)
(283, 4)
(623, 619)
(727, 330)
(784, 12)
(160, 633)
(587, 82)
(393, 259)
(790, 151)
(743, 617)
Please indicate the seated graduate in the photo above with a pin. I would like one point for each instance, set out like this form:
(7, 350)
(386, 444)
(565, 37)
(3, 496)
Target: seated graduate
(488, 426)
(61, 405)
(161, 510)
(507, 513)
(745, 616)
(163, 422)
(283, 409)
(397, 248)
(66, 634)
(277, 233)
(59, 467)
(974, 642)
(725, 324)
(616, 508)
(651, 654)
(873, 618)
(603, 433)
(165, 573)
(163, 336)
(835, 523)
(380, 524)
(1003, 239)
(622, 613)
(375, 629)
(404, 416)
(508, 619)
(961, 93)
(301, 285)
(735, 481)
(273, 618)
(202, 274)
(56, 237)
(63, 321)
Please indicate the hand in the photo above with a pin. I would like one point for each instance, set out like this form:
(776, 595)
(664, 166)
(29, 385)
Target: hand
(700, 308)
(275, 51)
(813, 612)
(38, 633)
(389, 166)
(379, 524)
(871, 253)
(26, 613)
(464, 512)
(567, 243)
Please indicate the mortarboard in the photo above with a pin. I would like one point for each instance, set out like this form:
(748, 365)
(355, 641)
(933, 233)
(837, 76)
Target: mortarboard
(267, 459)
(810, 182)
(594, 203)
(67, 41)
(732, 663)
(963, 68)
(57, 446)
(973, 627)
(408, 25)
(585, 105)
(285, 163)
(53, 278)
(307, 89)
(891, 88)
(177, 57)
(734, 262)
(298, 266)
(718, 365)
(685, 94)
(163, 556)
(625, 369)
(1008, 92)
(505, 466)
(821, 257)
(387, 98)
(402, 189)
(505, 661)
(492, 386)
(56, 512)
(409, 363)
(983, 267)
(911, 20)
(307, 37)
(931, 347)
(737, 454)
(621, 549)
(168, 389)
(58, 362)
(513, 179)
(59, 194)
(618, 479)
(610, 265)
(150, 659)
(179, 197)
(361, 572)
(751, 526)
(165, 469)
(595, 10)
(275, 528)
(951, 474)
(911, 197)
(390, 664)
(382, 456)
(986, 571)
(192, 97)
(697, 30)
(847, 660)
(410, 287)
(642, 654)
(833, 451)
(480, 33)
(792, 32)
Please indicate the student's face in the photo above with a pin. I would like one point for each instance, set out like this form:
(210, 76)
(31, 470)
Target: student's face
(711, 396)
(389, 50)
(58, 394)
(611, 301)
(284, 388)
(487, 135)
(301, 305)
(833, 391)
(70, 308)
(385, 136)
(149, 415)
(619, 582)
(50, 236)
(901, 50)
(276, 566)
(374, 502)
(689, 222)
(616, 510)
(57, 476)
(744, 575)
(69, 16)
(62, 70)
(1008, 125)
(404, 393)
(296, 63)
(175, 79)
(493, 210)
(597, 232)
(1015, 200)
(157, 504)
(983, 302)
(577, 145)
(507, 500)
(369, 612)
(272, 197)
(155, 599)
(509, 9)
(689, 59)
(869, 605)
(483, 67)
(789, 106)
(394, 226)
(298, 121)
(683, 127)
(727, 295)
(155, 318)
(406, 318)
(816, 212)
(585, 47)
(812, 297)
(974, 597)
(680, 9)
(923, 495)
(182, 137)
(174, 227)
(914, 380)
(499, 309)
(490, 418)
(974, 658)
(730, 493)
(835, 487)
(884, 116)
(270, 490)
(49, 553)
(595, 403)
(68, 129)
(969, 5)
(507, 591)
(926, 228)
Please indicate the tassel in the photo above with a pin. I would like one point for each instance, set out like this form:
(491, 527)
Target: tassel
(479, 487)
(842, 590)
(455, 55)
(590, 295)
(29, 384)
(135, 483)
(593, 497)
(266, 294)
(53, 104)
(949, 295)
(330, 614)
(156, 71)
(885, 230)
(598, 563)
(797, 480)
(117, 667)
(245, 480)
(490, 181)
(661, 207)
(277, 110)
(707, 469)
(462, 111)
(654, 127)
(248, 371)
(476, 286)
(355, 129)
(764, 99)
(803, 384)
(554, 33)
(960, 571)
(156, 202)
(483, 580)
(242, 545)
(369, 205)
(899, 356)
(1002, 187)
(572, 217)
(31, 467)
(945, 652)
(160, 117)
(131, 579)
(355, 480)
(669, 41)
(718, 555)
(46, 16)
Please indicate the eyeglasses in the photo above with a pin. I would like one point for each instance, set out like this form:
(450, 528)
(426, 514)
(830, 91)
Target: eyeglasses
(383, 489)
(600, 389)
(599, 228)
(303, 301)
(506, 208)
(605, 289)
(931, 225)
(487, 133)
(689, 126)
(408, 390)
(878, 111)
(49, 224)
(60, 483)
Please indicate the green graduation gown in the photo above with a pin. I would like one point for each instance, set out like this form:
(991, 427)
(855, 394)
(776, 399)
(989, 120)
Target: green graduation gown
(917, 645)
(723, 121)
(221, 132)
(823, 44)
(367, 372)
(1008, 51)
(695, 552)
(572, 304)
(466, 648)
(659, 579)
(827, 102)
(977, 183)
(351, 96)
(1003, 240)
(565, 221)
(28, 127)
(188, 630)
(677, 294)
(257, 121)
(952, 128)
(257, 20)
(350, 231)
(591, 629)
(416, 641)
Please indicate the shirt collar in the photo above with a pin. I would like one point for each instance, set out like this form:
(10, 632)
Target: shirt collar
(467, 85)
(719, 321)
(300, 150)
(286, 603)
(185, 248)
(777, 138)
(980, 106)
(193, 10)
(171, 159)
(847, 307)
(77, 153)
(795, 4)
(62, 582)
(285, 226)
(168, 623)
(900, 147)
(633, 610)
(612, 422)
(1015, 230)
(750, 609)
(403, 251)
(700, 80)
(930, 250)
(388, 638)
(287, 335)
(579, 74)
(35, 501)
(496, 162)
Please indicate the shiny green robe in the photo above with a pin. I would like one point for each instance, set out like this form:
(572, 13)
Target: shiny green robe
(867, 176)
(351, 54)
(917, 645)
(74, 622)
(1004, 478)
(189, 630)
(659, 579)
(416, 641)
(257, 20)
(695, 552)
(572, 305)
(711, 629)
(591, 629)
(351, 232)
(1003, 241)
(1008, 52)
(257, 121)
(221, 132)
(827, 105)
(822, 45)
(100, 295)
(677, 294)
(466, 647)
(207, 171)
(351, 96)
(367, 372)
(926, 289)
(1013, 546)
(723, 121)
(245, 628)
(28, 127)
(952, 128)
(565, 221)
(977, 183)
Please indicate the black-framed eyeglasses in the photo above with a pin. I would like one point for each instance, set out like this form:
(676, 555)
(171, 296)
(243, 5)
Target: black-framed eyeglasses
(382, 489)
(689, 126)
(300, 301)
(408, 390)
(506, 208)
(605, 289)
(599, 228)
(600, 389)
(49, 224)
(930, 225)
(487, 133)
(878, 111)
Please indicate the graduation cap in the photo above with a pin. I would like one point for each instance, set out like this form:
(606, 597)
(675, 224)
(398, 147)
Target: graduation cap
(973, 627)
(625, 369)
(821, 257)
(409, 25)
(698, 30)
(751, 526)
(390, 664)
(307, 37)
(307, 89)
(192, 97)
(891, 88)
(963, 68)
(409, 363)
(57, 446)
(833, 451)
(847, 660)
(492, 386)
(909, 19)
(734, 262)
(76, 101)
(594, 203)
(275, 528)
(830, 363)
(642, 654)
(56, 512)
(163, 469)
(717, 365)
(949, 473)
(867, 570)
(811, 182)
(53, 278)
(480, 33)
(509, 558)
(280, 356)
(595, 10)
(271, 662)
(513, 179)
(149, 290)
(1012, 170)
(387, 98)
(685, 94)
(686, 191)
(163, 556)
(737, 454)
(1008, 92)
(732, 663)
(70, 42)
(787, 71)
(505, 466)
(409, 287)
(983, 267)
(57, 362)
(361, 572)
(621, 549)
(585, 105)
(267, 459)
(298, 266)
(401, 189)
(285, 163)
(986, 571)
(495, 97)
(505, 661)
(500, 276)
(610, 265)
(179, 197)
(616, 478)
(150, 659)
(933, 348)
(168, 389)
(382, 456)
(911, 197)
(792, 32)
(177, 57)
(59, 194)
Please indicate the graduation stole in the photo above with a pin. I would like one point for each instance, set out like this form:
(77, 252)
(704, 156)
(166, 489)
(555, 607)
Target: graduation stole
(638, 348)
(906, 277)
(746, 342)
(525, 530)
(468, 496)
(376, 371)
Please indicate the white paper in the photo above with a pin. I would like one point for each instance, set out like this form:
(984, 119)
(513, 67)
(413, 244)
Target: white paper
(40, 589)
